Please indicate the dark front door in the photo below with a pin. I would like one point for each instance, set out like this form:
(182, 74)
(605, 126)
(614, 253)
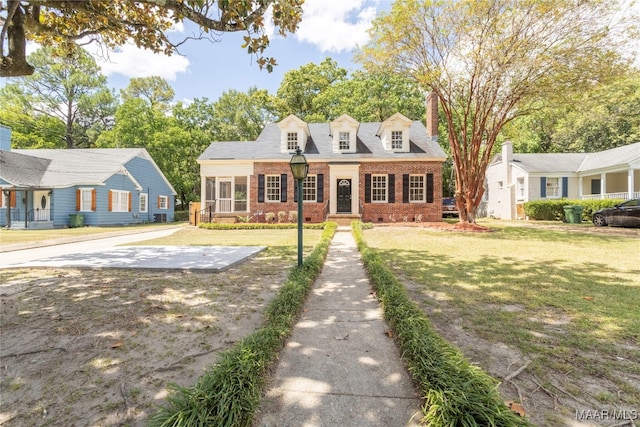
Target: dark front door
(344, 196)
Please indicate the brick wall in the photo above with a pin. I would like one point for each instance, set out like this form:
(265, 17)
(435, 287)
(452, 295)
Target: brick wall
(372, 212)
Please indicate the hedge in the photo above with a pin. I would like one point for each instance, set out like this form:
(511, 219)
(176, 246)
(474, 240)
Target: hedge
(553, 210)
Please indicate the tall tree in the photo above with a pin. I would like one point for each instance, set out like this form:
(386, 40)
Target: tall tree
(70, 89)
(155, 90)
(300, 87)
(113, 22)
(487, 60)
(239, 116)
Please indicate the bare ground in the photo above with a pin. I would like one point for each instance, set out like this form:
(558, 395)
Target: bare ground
(98, 347)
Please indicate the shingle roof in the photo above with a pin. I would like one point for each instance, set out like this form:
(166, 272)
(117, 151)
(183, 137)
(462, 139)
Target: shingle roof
(21, 170)
(624, 155)
(318, 145)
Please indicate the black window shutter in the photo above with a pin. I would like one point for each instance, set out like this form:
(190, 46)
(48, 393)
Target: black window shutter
(295, 190)
(320, 189)
(392, 188)
(261, 188)
(429, 188)
(543, 187)
(405, 188)
(367, 188)
(283, 187)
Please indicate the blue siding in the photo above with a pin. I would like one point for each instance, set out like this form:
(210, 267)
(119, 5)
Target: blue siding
(154, 185)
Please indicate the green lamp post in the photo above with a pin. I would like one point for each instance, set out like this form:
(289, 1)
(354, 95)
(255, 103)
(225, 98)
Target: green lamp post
(299, 169)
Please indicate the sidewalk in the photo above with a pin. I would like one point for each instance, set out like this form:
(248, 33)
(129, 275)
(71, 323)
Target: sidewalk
(339, 367)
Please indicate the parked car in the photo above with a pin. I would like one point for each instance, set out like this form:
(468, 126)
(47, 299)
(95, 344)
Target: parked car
(449, 207)
(625, 214)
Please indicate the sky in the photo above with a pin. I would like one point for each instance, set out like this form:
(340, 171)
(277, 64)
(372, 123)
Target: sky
(329, 28)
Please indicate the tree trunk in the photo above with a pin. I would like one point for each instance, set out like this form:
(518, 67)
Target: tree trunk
(15, 63)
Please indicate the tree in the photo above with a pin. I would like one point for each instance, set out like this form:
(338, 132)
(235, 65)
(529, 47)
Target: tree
(112, 23)
(487, 60)
(70, 89)
(300, 87)
(155, 90)
(241, 116)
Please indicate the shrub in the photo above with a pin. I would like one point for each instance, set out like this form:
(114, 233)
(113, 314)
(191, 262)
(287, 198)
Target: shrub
(179, 216)
(553, 210)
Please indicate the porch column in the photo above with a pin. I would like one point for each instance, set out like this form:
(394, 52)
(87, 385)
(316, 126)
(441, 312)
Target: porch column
(580, 193)
(603, 185)
(630, 183)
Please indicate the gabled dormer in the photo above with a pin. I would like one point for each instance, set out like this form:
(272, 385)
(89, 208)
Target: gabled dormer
(394, 133)
(293, 134)
(344, 131)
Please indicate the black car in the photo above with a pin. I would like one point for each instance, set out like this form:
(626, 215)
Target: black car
(449, 207)
(626, 214)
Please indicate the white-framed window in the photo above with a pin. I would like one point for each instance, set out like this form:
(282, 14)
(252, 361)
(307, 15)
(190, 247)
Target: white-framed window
(309, 188)
(86, 199)
(292, 140)
(143, 203)
(119, 201)
(417, 188)
(379, 188)
(272, 188)
(553, 187)
(163, 202)
(520, 188)
(344, 140)
(396, 139)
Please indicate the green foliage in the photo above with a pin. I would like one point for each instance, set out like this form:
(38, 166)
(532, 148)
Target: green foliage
(455, 392)
(553, 210)
(228, 394)
(259, 225)
(239, 116)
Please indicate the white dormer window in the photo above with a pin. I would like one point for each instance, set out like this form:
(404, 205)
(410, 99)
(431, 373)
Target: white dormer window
(396, 140)
(343, 134)
(292, 140)
(344, 141)
(293, 134)
(394, 133)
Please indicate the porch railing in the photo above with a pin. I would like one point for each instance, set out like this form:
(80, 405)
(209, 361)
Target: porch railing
(39, 215)
(622, 195)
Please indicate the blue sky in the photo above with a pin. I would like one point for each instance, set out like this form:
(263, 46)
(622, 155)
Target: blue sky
(330, 28)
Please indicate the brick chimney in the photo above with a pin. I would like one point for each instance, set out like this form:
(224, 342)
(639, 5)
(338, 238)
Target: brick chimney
(432, 115)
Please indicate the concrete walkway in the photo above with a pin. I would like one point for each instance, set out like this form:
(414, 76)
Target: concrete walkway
(339, 367)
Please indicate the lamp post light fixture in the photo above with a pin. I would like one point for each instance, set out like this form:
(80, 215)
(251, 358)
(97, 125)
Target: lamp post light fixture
(299, 169)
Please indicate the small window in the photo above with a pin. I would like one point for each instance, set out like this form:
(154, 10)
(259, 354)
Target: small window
(379, 188)
(344, 141)
(86, 198)
(396, 139)
(520, 188)
(119, 201)
(309, 188)
(553, 187)
(292, 140)
(163, 202)
(144, 203)
(272, 188)
(416, 188)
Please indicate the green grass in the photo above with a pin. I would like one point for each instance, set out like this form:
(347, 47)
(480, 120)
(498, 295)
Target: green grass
(10, 237)
(566, 300)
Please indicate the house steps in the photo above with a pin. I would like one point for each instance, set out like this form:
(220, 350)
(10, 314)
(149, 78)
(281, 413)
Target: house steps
(343, 219)
(225, 219)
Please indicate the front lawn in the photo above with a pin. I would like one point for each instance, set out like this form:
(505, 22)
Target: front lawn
(563, 304)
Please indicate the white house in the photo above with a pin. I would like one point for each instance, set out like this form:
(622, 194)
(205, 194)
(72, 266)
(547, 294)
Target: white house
(513, 179)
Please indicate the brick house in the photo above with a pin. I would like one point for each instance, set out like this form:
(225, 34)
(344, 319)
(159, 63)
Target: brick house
(388, 171)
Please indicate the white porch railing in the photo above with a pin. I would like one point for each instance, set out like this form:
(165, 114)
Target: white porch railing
(224, 205)
(623, 196)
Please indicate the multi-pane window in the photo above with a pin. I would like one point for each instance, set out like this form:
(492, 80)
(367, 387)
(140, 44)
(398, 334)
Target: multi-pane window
(520, 188)
(143, 203)
(292, 140)
(86, 197)
(240, 194)
(119, 201)
(553, 187)
(344, 140)
(309, 192)
(272, 188)
(416, 188)
(379, 188)
(163, 202)
(396, 139)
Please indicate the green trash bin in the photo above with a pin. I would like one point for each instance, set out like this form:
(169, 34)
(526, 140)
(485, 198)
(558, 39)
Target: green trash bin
(573, 214)
(76, 220)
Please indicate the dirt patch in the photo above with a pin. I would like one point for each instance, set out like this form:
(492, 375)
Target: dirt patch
(98, 347)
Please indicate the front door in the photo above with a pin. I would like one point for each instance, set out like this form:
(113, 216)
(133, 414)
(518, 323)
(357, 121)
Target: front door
(41, 206)
(225, 197)
(344, 196)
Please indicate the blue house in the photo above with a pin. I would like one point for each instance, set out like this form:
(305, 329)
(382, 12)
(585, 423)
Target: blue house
(55, 188)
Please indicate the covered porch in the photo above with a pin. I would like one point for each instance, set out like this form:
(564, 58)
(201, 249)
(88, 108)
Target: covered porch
(620, 184)
(27, 208)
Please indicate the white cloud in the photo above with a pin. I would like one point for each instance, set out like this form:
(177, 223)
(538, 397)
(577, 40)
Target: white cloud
(131, 61)
(336, 25)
